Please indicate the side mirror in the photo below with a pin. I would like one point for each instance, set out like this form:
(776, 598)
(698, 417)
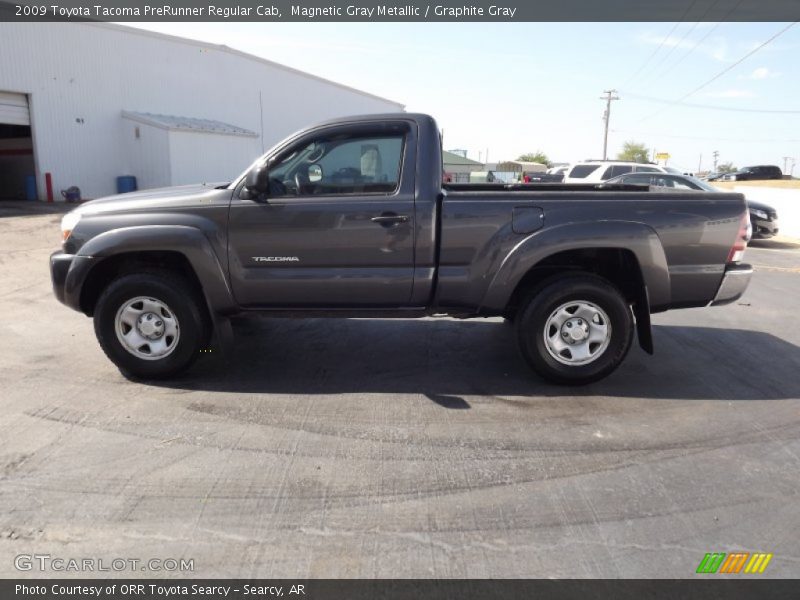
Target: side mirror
(314, 173)
(257, 180)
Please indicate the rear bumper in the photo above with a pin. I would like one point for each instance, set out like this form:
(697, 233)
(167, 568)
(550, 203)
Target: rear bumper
(68, 272)
(734, 283)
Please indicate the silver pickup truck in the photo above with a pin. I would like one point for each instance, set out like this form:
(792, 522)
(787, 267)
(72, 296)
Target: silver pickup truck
(351, 218)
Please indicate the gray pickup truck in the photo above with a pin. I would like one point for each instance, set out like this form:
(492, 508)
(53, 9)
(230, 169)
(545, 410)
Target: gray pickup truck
(350, 218)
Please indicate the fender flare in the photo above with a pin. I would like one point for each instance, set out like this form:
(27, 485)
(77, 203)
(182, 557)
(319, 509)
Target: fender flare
(188, 241)
(638, 238)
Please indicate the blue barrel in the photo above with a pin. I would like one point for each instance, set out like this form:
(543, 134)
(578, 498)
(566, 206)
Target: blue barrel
(30, 187)
(126, 183)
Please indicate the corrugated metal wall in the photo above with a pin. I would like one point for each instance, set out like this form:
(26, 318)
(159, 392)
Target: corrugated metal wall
(81, 76)
(146, 156)
(220, 158)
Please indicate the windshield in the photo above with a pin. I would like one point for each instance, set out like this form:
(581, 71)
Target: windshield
(702, 184)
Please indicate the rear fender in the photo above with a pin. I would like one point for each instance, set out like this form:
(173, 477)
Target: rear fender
(640, 239)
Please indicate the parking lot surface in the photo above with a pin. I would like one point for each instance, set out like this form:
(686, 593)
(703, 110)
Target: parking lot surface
(399, 448)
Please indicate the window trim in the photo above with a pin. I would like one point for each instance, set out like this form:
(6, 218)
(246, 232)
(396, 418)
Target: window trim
(388, 128)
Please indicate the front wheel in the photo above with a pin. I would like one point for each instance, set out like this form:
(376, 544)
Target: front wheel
(151, 325)
(574, 330)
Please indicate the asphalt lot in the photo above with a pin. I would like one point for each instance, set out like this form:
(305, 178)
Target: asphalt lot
(379, 448)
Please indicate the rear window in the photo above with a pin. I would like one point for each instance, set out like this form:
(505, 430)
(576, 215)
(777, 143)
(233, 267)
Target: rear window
(581, 171)
(615, 170)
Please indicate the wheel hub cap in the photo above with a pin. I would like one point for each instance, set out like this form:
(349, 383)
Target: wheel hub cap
(147, 328)
(150, 326)
(577, 333)
(575, 330)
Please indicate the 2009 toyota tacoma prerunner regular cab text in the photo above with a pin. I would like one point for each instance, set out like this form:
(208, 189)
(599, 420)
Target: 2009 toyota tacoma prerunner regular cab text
(351, 218)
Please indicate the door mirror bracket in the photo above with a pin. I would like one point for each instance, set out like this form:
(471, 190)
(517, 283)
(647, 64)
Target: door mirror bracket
(256, 182)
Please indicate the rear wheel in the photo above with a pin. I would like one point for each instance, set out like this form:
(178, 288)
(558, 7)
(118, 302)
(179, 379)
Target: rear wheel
(151, 325)
(575, 329)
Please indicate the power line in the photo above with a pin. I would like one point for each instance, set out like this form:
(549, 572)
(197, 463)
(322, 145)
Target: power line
(686, 35)
(724, 71)
(712, 107)
(703, 138)
(661, 45)
(704, 38)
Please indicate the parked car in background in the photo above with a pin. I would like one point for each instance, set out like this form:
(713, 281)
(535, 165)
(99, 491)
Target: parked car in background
(561, 170)
(763, 217)
(754, 173)
(544, 177)
(597, 171)
(713, 176)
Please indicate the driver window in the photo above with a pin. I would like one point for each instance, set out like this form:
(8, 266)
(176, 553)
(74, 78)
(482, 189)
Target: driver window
(661, 182)
(339, 165)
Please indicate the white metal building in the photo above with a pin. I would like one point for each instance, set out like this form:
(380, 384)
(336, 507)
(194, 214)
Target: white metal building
(88, 102)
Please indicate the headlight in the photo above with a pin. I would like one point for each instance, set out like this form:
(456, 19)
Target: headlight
(68, 223)
(759, 213)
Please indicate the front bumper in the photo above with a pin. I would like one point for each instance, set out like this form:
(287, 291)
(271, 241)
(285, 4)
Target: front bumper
(734, 283)
(68, 272)
(59, 267)
(763, 229)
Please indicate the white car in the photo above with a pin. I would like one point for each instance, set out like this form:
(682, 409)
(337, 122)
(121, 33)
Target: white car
(597, 171)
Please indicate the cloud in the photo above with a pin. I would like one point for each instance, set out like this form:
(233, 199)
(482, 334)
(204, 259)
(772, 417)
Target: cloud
(730, 94)
(762, 73)
(715, 47)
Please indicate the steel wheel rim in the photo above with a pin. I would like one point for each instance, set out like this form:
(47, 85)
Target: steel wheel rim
(147, 328)
(577, 333)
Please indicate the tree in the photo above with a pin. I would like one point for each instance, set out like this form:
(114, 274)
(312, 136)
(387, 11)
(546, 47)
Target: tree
(726, 168)
(537, 157)
(634, 152)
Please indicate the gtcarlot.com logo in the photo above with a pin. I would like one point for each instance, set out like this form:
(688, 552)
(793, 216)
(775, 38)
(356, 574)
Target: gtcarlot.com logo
(734, 563)
(47, 562)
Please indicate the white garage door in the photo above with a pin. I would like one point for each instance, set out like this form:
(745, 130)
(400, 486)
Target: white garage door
(14, 109)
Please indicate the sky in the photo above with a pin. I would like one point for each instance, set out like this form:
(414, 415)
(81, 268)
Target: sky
(513, 88)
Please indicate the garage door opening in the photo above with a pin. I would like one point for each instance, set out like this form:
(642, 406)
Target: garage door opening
(17, 163)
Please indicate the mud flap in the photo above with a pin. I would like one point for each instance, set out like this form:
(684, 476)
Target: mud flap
(641, 311)
(223, 333)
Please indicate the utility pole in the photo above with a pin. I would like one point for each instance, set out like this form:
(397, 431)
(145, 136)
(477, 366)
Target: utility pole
(786, 160)
(700, 164)
(609, 96)
(715, 154)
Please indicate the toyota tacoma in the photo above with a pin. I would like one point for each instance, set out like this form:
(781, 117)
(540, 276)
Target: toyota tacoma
(350, 218)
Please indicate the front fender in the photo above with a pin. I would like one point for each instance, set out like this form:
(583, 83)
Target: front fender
(636, 237)
(186, 240)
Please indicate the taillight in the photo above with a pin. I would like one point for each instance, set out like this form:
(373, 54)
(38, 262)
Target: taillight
(743, 236)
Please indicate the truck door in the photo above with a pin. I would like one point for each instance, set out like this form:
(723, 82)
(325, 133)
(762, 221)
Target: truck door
(336, 228)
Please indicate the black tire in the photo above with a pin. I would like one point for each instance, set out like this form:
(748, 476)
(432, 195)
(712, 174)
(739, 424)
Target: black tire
(179, 296)
(547, 298)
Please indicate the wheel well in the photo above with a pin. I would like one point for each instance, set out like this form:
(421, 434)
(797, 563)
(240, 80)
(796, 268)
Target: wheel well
(133, 262)
(617, 265)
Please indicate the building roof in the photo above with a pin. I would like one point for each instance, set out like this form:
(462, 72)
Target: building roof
(450, 158)
(525, 164)
(176, 123)
(229, 50)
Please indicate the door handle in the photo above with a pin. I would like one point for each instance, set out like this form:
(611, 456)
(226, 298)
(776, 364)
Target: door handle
(390, 219)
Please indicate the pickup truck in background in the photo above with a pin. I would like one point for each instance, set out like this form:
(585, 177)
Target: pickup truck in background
(350, 218)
